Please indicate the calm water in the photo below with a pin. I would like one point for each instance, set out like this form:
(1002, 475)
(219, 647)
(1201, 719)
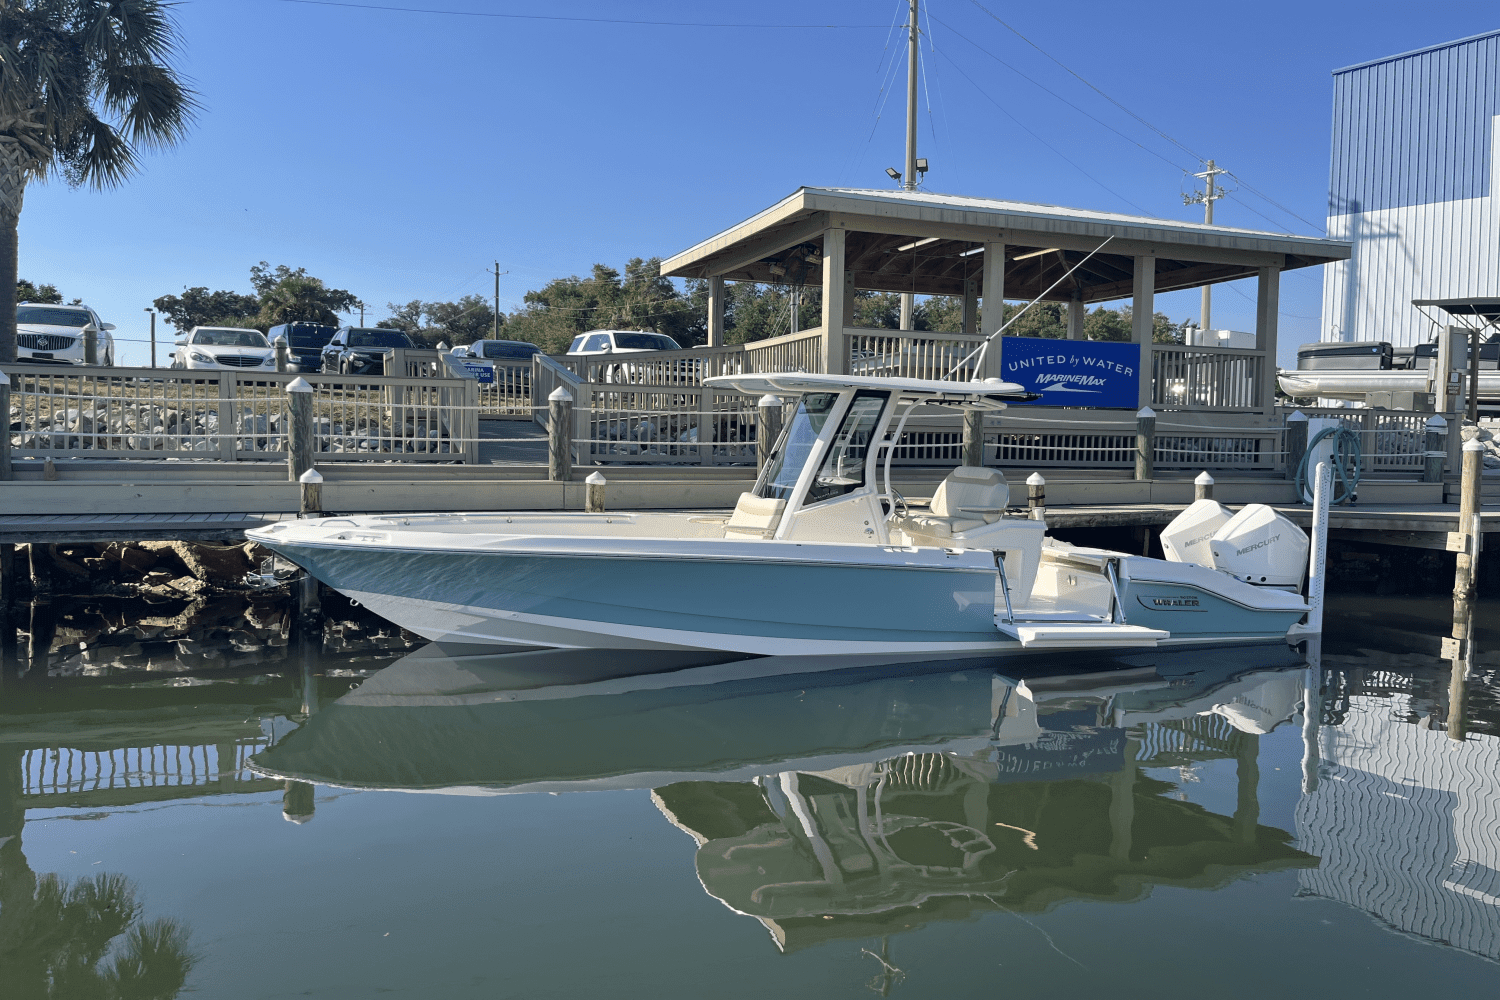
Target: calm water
(222, 814)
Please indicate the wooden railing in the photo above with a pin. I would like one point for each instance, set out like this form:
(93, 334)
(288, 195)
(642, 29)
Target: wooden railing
(923, 355)
(792, 352)
(1206, 378)
(151, 413)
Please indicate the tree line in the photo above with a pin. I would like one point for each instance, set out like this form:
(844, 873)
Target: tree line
(637, 298)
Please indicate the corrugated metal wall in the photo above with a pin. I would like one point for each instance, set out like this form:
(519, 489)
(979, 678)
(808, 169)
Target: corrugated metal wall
(1412, 184)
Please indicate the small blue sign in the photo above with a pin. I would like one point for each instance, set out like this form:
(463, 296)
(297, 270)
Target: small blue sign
(480, 371)
(1084, 373)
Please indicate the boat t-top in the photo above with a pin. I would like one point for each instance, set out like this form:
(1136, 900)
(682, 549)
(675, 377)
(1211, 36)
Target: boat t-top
(822, 557)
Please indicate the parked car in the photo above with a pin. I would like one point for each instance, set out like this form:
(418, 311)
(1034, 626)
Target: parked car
(508, 351)
(305, 343)
(360, 350)
(52, 334)
(621, 342)
(224, 348)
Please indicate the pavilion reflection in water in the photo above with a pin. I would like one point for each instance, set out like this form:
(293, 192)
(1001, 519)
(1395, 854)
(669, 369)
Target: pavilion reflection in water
(885, 846)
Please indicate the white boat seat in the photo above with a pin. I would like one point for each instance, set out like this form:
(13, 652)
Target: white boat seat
(754, 517)
(969, 497)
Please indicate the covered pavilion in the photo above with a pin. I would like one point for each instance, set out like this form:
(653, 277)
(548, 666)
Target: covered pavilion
(934, 244)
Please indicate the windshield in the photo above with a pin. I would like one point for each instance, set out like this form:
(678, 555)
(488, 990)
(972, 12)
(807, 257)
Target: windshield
(230, 338)
(44, 316)
(499, 350)
(309, 335)
(646, 342)
(378, 338)
(786, 465)
(843, 468)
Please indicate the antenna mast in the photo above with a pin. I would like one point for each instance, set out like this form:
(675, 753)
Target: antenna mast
(907, 298)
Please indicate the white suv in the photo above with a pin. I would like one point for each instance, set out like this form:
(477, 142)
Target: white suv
(50, 334)
(621, 342)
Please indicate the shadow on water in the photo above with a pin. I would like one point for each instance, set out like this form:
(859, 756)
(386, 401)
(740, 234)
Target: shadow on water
(828, 800)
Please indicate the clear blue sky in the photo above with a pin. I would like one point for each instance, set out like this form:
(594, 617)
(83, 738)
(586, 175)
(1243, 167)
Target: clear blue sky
(397, 154)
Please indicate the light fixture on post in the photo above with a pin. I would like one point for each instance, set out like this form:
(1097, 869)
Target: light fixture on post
(894, 174)
(921, 164)
(778, 269)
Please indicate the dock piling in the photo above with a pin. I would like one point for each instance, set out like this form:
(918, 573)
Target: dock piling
(973, 446)
(299, 401)
(283, 354)
(1296, 442)
(593, 501)
(1036, 496)
(767, 428)
(1203, 487)
(1436, 451)
(1317, 556)
(312, 493)
(559, 435)
(1145, 444)
(6, 472)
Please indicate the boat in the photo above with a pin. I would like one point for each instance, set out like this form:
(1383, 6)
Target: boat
(823, 557)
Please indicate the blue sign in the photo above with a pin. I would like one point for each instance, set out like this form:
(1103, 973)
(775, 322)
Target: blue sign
(1086, 373)
(480, 371)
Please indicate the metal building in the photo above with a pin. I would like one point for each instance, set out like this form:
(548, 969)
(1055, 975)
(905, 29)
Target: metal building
(1413, 187)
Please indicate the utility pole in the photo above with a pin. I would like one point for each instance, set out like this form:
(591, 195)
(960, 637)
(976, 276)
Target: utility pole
(908, 299)
(497, 272)
(361, 312)
(153, 335)
(1207, 198)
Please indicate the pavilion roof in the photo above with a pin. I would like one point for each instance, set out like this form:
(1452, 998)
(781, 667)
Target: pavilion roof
(931, 244)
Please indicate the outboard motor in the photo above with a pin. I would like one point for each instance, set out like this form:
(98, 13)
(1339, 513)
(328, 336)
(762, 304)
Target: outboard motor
(1186, 539)
(1260, 546)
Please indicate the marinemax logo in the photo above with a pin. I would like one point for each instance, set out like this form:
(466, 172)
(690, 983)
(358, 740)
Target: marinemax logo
(1258, 545)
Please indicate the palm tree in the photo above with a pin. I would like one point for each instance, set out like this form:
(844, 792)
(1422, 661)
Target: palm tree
(84, 84)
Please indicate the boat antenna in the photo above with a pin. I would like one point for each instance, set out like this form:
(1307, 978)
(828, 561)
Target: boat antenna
(985, 344)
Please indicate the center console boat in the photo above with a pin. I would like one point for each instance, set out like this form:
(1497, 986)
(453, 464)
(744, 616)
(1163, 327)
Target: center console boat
(822, 557)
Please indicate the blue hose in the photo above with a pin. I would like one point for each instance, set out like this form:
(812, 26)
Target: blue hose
(1347, 458)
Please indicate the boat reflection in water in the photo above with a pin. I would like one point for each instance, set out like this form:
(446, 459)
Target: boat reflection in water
(849, 802)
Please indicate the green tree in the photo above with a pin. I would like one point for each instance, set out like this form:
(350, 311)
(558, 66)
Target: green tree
(469, 319)
(198, 306)
(27, 292)
(84, 84)
(639, 299)
(289, 296)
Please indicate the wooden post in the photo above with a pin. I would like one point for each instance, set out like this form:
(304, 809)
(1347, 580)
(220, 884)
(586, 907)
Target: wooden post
(1143, 321)
(767, 428)
(309, 601)
(1267, 310)
(1077, 312)
(1203, 487)
(1436, 452)
(90, 344)
(1145, 444)
(970, 320)
(993, 316)
(593, 501)
(1470, 535)
(1036, 496)
(716, 310)
(312, 493)
(283, 354)
(560, 435)
(299, 401)
(1296, 442)
(973, 442)
(6, 472)
(837, 300)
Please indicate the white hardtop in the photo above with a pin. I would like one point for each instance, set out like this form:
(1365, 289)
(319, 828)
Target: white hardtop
(991, 394)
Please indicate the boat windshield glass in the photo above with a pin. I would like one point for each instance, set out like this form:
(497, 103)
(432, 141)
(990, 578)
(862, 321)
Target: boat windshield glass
(786, 465)
(843, 468)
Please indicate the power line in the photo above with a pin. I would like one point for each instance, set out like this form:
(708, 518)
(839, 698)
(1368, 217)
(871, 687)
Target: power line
(559, 17)
(1039, 139)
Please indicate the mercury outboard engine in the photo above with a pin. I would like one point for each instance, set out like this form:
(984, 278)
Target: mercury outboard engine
(1257, 545)
(1260, 546)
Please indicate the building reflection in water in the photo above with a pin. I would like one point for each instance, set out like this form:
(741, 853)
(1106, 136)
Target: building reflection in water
(1403, 806)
